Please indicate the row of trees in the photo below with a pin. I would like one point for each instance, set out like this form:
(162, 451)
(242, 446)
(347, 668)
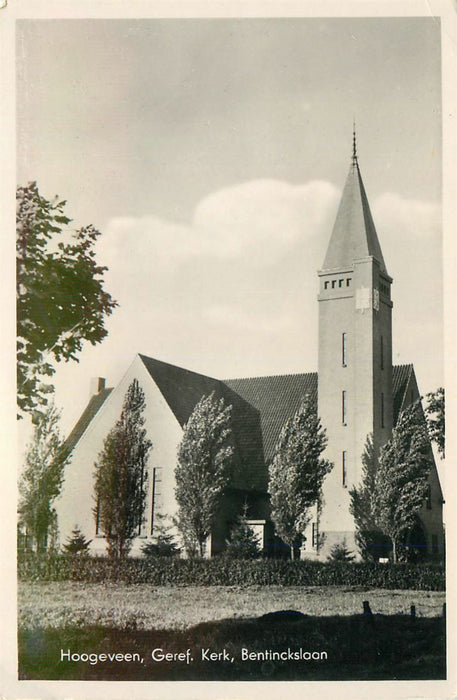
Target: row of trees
(384, 504)
(61, 302)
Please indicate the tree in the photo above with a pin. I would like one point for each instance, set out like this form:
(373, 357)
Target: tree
(435, 413)
(340, 554)
(163, 544)
(296, 473)
(243, 542)
(77, 544)
(402, 474)
(202, 470)
(121, 476)
(41, 481)
(61, 301)
(370, 541)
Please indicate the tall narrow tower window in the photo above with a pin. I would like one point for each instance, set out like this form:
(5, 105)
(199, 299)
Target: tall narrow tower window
(344, 407)
(344, 469)
(343, 350)
(156, 482)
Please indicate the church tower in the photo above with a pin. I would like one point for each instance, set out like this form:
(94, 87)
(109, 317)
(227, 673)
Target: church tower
(355, 353)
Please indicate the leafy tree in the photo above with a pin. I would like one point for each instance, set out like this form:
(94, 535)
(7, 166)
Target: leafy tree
(370, 541)
(339, 553)
(163, 544)
(296, 473)
(77, 544)
(41, 480)
(121, 475)
(401, 477)
(243, 542)
(435, 413)
(61, 301)
(202, 471)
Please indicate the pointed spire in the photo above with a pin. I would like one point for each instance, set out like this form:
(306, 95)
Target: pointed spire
(354, 235)
(354, 146)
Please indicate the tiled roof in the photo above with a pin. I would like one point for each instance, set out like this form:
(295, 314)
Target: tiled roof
(183, 389)
(400, 379)
(261, 406)
(94, 405)
(276, 398)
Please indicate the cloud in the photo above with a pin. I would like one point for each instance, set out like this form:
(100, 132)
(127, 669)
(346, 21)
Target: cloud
(409, 218)
(263, 218)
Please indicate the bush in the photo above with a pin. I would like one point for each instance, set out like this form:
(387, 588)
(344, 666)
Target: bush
(340, 553)
(243, 542)
(172, 571)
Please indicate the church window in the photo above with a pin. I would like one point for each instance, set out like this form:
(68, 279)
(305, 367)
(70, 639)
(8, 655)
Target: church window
(428, 497)
(333, 284)
(315, 535)
(343, 350)
(344, 467)
(97, 518)
(156, 493)
(343, 407)
(340, 283)
(326, 285)
(348, 281)
(382, 411)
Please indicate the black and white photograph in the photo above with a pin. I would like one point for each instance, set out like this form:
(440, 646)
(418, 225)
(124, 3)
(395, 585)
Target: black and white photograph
(232, 322)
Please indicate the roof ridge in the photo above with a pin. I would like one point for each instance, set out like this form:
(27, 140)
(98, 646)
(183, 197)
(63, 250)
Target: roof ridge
(269, 376)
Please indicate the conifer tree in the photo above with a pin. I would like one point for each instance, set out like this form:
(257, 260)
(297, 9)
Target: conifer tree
(243, 542)
(77, 544)
(402, 476)
(296, 473)
(202, 471)
(162, 544)
(41, 481)
(121, 476)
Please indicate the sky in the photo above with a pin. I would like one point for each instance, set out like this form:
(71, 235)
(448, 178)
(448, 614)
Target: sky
(211, 154)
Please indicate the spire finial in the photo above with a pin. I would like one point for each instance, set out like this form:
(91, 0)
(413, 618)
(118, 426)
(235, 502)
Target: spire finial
(354, 145)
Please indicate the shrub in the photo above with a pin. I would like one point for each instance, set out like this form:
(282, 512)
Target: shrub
(173, 571)
(77, 544)
(340, 553)
(243, 542)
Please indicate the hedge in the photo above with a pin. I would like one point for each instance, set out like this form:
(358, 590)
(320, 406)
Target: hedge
(224, 572)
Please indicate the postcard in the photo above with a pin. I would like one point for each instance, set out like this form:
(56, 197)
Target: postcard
(235, 329)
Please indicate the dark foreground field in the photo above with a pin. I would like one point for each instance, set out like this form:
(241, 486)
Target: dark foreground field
(355, 647)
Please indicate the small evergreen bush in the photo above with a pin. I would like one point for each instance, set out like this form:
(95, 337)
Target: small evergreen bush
(77, 544)
(243, 542)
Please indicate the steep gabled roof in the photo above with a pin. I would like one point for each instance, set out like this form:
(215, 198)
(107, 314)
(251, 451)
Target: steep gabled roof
(354, 235)
(183, 389)
(276, 398)
(95, 403)
(261, 406)
(400, 379)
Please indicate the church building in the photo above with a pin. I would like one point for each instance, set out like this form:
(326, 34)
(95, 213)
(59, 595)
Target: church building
(357, 391)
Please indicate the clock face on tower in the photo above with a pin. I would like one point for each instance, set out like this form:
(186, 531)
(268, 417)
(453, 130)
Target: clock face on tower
(365, 299)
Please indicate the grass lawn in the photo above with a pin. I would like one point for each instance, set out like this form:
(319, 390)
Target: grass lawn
(93, 619)
(69, 604)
